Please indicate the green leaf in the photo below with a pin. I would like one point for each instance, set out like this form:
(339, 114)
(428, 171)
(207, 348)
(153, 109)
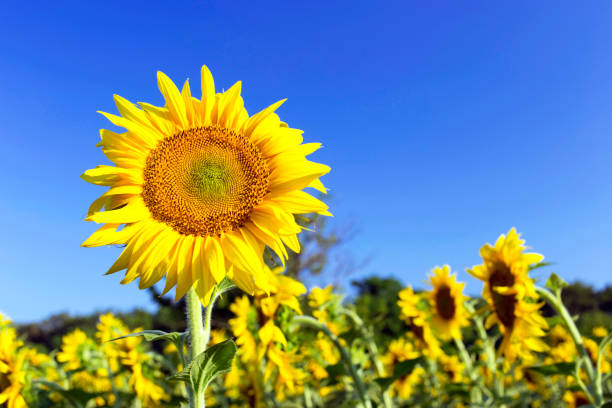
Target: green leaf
(556, 283)
(207, 365)
(555, 369)
(152, 335)
(225, 286)
(401, 369)
(335, 371)
(540, 265)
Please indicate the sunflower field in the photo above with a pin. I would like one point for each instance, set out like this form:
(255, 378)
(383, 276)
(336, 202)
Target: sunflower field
(212, 201)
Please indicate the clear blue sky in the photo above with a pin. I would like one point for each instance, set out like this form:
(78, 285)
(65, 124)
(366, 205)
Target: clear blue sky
(444, 126)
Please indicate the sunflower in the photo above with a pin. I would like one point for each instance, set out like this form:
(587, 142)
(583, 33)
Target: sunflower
(449, 314)
(199, 188)
(401, 350)
(415, 311)
(508, 291)
(12, 373)
(283, 291)
(241, 326)
(74, 346)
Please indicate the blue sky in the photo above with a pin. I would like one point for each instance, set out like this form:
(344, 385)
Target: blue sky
(444, 126)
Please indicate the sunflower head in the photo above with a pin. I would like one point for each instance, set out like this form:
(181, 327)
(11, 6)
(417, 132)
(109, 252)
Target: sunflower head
(199, 188)
(449, 314)
(511, 295)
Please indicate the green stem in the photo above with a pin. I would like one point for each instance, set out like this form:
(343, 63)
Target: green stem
(372, 349)
(346, 357)
(554, 300)
(475, 394)
(307, 397)
(197, 340)
(498, 390)
(208, 316)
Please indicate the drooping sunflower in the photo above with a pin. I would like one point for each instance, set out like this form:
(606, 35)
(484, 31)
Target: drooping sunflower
(199, 188)
(449, 314)
(511, 295)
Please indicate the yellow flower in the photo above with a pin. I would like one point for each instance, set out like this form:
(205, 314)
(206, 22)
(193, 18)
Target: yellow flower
(216, 336)
(199, 189)
(149, 393)
(318, 296)
(401, 350)
(562, 348)
(73, 345)
(575, 399)
(12, 373)
(109, 327)
(506, 288)
(451, 368)
(94, 382)
(247, 347)
(417, 319)
(289, 379)
(449, 314)
(600, 331)
(592, 349)
(283, 291)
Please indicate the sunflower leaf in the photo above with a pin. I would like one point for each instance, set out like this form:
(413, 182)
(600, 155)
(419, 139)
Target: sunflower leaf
(206, 366)
(554, 369)
(153, 335)
(400, 370)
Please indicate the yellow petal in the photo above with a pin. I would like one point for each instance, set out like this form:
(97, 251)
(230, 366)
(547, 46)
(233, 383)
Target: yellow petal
(214, 257)
(173, 98)
(135, 211)
(209, 98)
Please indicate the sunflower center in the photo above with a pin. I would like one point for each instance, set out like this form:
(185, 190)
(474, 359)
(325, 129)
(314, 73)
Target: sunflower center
(204, 181)
(504, 304)
(445, 304)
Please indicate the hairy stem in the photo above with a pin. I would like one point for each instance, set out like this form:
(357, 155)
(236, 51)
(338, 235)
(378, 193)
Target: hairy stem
(197, 336)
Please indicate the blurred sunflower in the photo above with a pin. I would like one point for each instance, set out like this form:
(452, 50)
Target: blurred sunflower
(575, 399)
(449, 314)
(74, 348)
(507, 287)
(241, 326)
(401, 350)
(199, 189)
(415, 310)
(12, 372)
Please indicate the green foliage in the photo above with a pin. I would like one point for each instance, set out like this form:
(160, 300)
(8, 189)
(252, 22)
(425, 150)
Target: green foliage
(208, 365)
(376, 304)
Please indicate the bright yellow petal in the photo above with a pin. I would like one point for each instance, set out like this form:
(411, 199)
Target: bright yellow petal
(173, 98)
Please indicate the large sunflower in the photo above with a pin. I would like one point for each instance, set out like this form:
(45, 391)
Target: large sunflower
(511, 295)
(449, 314)
(199, 189)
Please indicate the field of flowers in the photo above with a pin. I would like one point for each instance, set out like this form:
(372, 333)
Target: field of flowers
(298, 349)
(208, 199)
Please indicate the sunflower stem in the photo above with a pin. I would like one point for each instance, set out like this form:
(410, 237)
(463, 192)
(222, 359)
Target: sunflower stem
(197, 336)
(344, 353)
(498, 390)
(554, 300)
(372, 349)
(476, 395)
